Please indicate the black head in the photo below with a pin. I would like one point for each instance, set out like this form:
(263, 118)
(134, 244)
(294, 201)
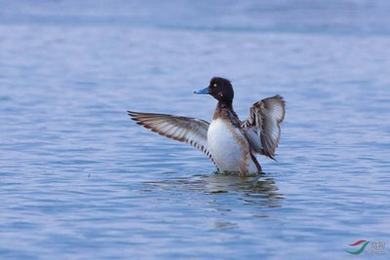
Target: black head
(221, 89)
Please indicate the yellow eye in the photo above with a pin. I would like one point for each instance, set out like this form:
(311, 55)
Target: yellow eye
(215, 85)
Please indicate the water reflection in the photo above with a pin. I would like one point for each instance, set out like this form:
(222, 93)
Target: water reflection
(261, 190)
(258, 190)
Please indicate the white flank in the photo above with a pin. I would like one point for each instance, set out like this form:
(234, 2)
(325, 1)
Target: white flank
(224, 148)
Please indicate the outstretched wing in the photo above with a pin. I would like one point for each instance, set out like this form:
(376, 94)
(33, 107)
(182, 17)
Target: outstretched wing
(262, 128)
(182, 129)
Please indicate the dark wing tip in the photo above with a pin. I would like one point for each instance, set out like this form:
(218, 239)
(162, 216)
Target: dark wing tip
(132, 114)
(272, 157)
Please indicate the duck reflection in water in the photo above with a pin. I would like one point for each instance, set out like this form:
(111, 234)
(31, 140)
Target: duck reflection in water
(260, 189)
(255, 189)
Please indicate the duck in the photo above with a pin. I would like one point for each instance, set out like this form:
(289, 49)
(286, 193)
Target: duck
(231, 144)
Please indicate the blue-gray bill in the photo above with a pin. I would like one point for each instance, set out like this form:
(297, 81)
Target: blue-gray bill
(202, 91)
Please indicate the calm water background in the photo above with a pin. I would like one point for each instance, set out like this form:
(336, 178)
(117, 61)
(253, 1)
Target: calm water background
(79, 180)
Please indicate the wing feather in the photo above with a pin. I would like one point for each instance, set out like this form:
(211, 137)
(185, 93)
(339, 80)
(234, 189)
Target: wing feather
(183, 129)
(262, 128)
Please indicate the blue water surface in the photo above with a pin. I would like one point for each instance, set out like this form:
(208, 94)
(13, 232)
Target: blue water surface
(79, 180)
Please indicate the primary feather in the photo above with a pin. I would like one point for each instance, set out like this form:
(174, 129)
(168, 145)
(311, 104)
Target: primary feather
(182, 129)
(262, 128)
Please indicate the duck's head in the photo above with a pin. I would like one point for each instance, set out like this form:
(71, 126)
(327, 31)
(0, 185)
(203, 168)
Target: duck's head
(221, 89)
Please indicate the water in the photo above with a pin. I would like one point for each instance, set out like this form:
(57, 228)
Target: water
(79, 180)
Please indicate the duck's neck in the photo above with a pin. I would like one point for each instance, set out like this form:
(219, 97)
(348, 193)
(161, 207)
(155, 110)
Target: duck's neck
(225, 105)
(223, 110)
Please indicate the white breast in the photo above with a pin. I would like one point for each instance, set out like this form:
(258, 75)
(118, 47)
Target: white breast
(223, 145)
